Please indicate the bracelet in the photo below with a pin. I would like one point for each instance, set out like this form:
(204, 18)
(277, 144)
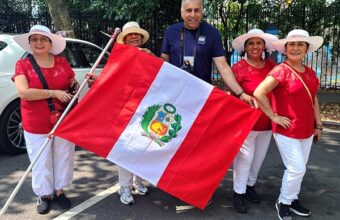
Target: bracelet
(271, 117)
(319, 127)
(49, 93)
(238, 95)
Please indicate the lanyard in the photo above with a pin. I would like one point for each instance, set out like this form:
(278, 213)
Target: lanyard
(182, 39)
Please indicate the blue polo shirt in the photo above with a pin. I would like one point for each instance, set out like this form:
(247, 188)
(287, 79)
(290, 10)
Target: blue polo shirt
(208, 45)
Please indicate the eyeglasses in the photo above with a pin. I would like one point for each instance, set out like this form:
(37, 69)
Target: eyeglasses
(36, 39)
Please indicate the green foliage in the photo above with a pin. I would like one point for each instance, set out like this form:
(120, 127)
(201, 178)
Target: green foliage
(165, 139)
(227, 16)
(175, 127)
(148, 115)
(15, 6)
(234, 18)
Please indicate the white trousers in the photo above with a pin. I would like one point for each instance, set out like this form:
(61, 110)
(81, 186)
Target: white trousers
(54, 169)
(126, 178)
(294, 154)
(248, 161)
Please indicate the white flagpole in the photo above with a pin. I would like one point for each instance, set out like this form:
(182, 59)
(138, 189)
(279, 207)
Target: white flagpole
(42, 148)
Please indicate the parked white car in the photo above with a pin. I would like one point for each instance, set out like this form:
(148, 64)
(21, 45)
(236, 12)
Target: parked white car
(81, 56)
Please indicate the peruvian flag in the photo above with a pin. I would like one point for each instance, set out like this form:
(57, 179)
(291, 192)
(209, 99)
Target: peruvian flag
(161, 123)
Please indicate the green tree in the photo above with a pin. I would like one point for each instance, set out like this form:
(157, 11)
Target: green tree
(236, 17)
(228, 16)
(60, 16)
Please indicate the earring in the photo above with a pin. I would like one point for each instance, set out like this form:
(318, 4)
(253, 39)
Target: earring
(245, 56)
(263, 55)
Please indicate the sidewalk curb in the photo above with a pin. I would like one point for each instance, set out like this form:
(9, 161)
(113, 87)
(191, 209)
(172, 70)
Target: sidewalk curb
(331, 123)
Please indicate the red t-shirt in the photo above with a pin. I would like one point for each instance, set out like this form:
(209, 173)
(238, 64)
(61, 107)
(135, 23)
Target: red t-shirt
(291, 99)
(249, 78)
(36, 114)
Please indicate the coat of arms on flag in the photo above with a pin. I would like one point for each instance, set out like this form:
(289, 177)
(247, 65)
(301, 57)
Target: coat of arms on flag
(160, 123)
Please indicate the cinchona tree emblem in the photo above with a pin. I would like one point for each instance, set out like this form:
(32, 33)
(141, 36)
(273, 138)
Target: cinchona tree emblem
(161, 123)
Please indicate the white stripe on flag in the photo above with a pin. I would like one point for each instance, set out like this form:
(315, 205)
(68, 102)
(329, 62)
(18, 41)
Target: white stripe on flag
(139, 154)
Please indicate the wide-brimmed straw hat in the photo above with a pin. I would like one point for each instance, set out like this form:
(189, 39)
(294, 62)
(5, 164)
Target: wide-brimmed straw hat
(238, 43)
(132, 27)
(58, 42)
(299, 35)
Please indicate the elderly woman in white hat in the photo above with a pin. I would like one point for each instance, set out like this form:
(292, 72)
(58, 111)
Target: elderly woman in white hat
(295, 114)
(54, 169)
(249, 73)
(132, 35)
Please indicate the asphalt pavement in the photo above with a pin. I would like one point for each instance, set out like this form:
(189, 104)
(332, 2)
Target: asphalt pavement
(94, 191)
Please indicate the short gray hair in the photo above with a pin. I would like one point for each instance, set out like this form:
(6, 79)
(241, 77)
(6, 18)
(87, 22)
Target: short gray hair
(183, 1)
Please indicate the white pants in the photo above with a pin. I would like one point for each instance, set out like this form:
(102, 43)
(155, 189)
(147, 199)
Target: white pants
(54, 169)
(294, 154)
(126, 178)
(248, 161)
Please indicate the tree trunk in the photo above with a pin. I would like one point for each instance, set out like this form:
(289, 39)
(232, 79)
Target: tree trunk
(60, 17)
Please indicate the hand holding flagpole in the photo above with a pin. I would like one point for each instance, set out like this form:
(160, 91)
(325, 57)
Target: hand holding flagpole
(69, 106)
(42, 148)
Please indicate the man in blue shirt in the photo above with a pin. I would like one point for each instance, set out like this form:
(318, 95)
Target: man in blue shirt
(194, 44)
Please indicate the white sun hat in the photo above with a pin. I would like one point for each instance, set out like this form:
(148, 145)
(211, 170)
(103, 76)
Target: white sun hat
(238, 43)
(299, 35)
(58, 42)
(132, 27)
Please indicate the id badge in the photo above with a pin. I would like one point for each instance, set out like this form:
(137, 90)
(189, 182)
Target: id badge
(190, 59)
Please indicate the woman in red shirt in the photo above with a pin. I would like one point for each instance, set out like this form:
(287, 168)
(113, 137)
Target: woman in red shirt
(295, 114)
(54, 169)
(249, 73)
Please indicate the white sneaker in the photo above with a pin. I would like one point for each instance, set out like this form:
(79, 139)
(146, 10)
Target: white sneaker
(125, 195)
(139, 188)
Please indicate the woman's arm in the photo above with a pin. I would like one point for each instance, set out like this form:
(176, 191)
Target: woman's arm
(230, 80)
(260, 95)
(32, 94)
(318, 122)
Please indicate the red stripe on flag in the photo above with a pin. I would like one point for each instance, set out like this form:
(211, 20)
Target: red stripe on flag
(209, 148)
(112, 100)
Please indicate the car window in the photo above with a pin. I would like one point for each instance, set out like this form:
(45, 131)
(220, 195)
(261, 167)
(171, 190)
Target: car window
(90, 54)
(2, 45)
(69, 54)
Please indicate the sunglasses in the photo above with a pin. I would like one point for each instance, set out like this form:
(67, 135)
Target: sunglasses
(42, 39)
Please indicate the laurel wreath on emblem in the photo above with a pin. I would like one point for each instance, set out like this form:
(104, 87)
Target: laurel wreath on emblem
(172, 133)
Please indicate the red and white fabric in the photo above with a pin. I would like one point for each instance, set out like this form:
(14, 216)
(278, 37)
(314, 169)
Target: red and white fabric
(249, 77)
(191, 165)
(36, 114)
(290, 99)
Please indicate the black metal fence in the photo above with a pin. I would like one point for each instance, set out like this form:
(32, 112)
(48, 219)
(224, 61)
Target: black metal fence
(323, 22)
(317, 21)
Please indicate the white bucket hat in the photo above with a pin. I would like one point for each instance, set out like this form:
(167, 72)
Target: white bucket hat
(238, 43)
(299, 35)
(132, 27)
(58, 42)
